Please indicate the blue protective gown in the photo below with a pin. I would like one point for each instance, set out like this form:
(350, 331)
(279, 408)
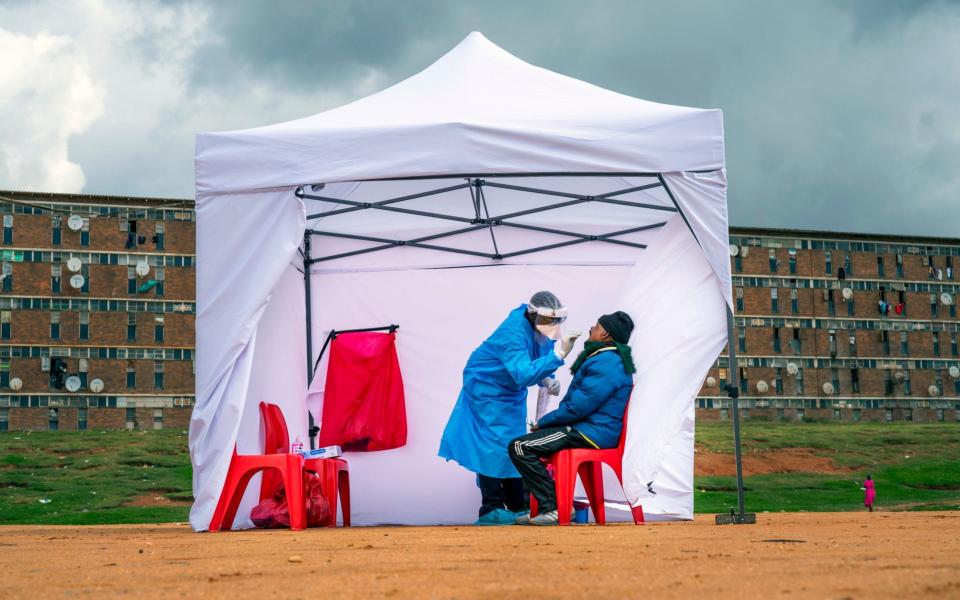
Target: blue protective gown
(492, 407)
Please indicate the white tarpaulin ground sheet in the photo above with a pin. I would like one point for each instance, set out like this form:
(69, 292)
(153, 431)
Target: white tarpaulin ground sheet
(610, 202)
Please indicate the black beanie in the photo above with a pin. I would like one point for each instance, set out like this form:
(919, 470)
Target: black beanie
(619, 325)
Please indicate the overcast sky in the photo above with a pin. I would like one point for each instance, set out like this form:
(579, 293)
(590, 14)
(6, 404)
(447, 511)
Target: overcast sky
(839, 114)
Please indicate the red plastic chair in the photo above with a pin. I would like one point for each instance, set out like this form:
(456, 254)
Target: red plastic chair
(588, 463)
(245, 466)
(334, 472)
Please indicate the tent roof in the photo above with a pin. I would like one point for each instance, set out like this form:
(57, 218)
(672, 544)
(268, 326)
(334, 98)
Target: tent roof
(478, 109)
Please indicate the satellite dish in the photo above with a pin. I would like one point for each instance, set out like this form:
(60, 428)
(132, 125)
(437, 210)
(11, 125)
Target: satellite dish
(75, 222)
(946, 298)
(734, 250)
(15, 384)
(762, 387)
(73, 383)
(933, 390)
(74, 264)
(711, 382)
(792, 368)
(828, 388)
(96, 386)
(77, 281)
(898, 375)
(955, 372)
(847, 293)
(143, 268)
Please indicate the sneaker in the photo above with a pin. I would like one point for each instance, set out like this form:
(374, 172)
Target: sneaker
(523, 518)
(497, 516)
(547, 518)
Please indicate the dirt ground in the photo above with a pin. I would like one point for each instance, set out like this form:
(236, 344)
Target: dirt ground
(789, 555)
(781, 460)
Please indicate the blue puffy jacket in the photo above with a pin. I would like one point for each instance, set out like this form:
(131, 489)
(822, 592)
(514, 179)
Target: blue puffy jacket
(595, 401)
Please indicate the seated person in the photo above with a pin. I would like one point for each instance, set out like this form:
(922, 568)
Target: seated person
(589, 416)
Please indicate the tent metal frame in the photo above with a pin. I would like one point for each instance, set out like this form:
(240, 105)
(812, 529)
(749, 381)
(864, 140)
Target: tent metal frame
(481, 219)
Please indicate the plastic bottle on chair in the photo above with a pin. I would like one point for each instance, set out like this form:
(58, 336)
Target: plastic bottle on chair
(297, 446)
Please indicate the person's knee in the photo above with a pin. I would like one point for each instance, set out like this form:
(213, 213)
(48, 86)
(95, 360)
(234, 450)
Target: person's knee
(513, 448)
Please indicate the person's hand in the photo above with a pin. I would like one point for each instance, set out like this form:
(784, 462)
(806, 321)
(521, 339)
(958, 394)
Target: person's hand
(533, 426)
(567, 341)
(552, 385)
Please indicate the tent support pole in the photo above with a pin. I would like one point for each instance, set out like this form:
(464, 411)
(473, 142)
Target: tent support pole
(312, 427)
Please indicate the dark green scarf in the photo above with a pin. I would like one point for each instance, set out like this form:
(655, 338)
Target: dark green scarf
(589, 348)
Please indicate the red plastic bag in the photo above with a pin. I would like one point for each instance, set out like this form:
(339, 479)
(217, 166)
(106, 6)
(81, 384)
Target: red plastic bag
(273, 512)
(363, 404)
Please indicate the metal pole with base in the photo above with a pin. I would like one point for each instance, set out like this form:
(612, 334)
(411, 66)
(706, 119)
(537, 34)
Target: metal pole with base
(733, 390)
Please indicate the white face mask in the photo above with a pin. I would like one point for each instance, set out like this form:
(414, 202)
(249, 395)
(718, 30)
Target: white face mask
(550, 331)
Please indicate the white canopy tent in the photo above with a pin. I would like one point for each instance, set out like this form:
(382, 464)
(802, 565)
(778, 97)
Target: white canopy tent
(439, 204)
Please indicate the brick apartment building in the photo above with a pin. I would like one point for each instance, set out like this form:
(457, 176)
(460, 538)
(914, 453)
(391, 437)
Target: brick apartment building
(96, 312)
(842, 326)
(813, 342)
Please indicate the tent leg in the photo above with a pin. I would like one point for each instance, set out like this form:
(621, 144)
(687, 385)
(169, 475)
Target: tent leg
(312, 427)
(733, 390)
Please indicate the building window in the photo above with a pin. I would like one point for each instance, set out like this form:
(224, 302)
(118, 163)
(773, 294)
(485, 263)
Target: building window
(836, 414)
(888, 416)
(7, 277)
(828, 263)
(158, 235)
(131, 414)
(774, 300)
(900, 266)
(738, 263)
(722, 376)
(953, 307)
(904, 344)
(82, 370)
(778, 381)
(780, 413)
(940, 415)
(885, 342)
(81, 419)
(84, 325)
(54, 419)
(798, 382)
(855, 380)
(949, 266)
(907, 387)
(792, 261)
(794, 301)
(158, 275)
(934, 306)
(848, 265)
(856, 414)
(4, 418)
(887, 383)
(725, 414)
(131, 280)
(56, 237)
(131, 327)
(158, 374)
(5, 324)
(158, 418)
(773, 261)
(776, 340)
(851, 308)
(131, 376)
(56, 273)
(85, 234)
(956, 390)
(831, 304)
(832, 343)
(4, 374)
(54, 326)
(852, 344)
(936, 343)
(742, 340)
(953, 344)
(800, 414)
(158, 328)
(795, 342)
(739, 296)
(902, 300)
(744, 382)
(7, 229)
(85, 271)
(908, 414)
(835, 380)
(880, 266)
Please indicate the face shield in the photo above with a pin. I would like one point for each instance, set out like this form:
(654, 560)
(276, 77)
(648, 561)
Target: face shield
(547, 320)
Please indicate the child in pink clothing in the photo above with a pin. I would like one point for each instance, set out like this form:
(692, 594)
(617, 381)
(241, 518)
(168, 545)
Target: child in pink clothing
(869, 493)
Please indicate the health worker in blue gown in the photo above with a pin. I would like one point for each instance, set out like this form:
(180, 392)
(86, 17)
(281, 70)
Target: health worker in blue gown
(492, 407)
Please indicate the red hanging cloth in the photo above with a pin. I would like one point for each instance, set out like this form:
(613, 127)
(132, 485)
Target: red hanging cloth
(363, 403)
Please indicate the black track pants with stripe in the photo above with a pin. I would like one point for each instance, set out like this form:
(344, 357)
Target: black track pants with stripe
(526, 451)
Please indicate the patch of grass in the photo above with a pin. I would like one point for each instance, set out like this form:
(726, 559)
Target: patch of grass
(913, 466)
(90, 477)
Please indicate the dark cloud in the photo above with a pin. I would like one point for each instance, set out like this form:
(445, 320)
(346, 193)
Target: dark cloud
(839, 114)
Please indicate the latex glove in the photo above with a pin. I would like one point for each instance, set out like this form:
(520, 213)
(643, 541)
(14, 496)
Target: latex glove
(552, 385)
(566, 343)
